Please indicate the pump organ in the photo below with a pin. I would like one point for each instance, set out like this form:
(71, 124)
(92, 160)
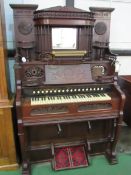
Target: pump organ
(65, 94)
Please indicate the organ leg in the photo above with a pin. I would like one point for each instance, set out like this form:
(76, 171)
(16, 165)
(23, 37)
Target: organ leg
(111, 150)
(26, 168)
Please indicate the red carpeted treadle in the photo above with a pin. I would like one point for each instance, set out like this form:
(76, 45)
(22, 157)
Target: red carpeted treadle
(61, 158)
(78, 156)
(70, 157)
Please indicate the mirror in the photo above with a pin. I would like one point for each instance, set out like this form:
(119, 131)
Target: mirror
(64, 38)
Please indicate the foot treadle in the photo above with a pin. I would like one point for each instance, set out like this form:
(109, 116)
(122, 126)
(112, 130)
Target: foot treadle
(70, 157)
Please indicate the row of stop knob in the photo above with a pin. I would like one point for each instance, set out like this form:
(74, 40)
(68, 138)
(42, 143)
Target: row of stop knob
(51, 91)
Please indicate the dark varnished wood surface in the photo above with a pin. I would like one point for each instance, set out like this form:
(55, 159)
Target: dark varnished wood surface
(126, 78)
(125, 84)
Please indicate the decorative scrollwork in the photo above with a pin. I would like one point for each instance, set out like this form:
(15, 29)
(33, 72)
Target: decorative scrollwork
(49, 110)
(34, 71)
(100, 28)
(98, 70)
(25, 28)
(46, 56)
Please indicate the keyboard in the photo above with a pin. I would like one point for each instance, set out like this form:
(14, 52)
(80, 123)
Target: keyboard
(76, 98)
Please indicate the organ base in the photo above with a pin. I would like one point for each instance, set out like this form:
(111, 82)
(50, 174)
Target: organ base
(42, 140)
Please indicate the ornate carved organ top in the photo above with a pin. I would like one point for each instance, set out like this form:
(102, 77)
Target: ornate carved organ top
(64, 85)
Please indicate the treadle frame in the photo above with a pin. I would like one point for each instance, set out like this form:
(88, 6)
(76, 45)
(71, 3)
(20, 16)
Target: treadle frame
(67, 151)
(109, 150)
